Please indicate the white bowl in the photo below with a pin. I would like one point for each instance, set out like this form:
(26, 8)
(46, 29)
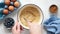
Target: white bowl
(41, 14)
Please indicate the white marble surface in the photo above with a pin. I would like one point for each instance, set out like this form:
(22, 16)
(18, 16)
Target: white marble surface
(43, 4)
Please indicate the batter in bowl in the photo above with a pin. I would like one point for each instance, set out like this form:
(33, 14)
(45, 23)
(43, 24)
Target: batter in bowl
(31, 13)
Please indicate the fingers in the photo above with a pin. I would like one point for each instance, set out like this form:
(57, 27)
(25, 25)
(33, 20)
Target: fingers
(15, 25)
(18, 27)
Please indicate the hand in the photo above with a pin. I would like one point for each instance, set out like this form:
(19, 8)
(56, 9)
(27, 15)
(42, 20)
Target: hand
(35, 28)
(16, 29)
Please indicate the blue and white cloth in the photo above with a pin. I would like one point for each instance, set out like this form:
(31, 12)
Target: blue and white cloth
(52, 25)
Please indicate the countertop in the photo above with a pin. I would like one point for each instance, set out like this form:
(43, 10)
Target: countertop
(43, 4)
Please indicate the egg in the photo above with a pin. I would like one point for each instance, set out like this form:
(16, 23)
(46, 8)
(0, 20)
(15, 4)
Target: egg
(7, 2)
(16, 4)
(11, 8)
(5, 11)
(13, 0)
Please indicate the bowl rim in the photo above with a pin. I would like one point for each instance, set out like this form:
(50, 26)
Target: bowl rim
(37, 7)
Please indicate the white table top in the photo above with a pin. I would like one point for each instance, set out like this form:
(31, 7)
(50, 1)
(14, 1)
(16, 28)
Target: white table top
(43, 4)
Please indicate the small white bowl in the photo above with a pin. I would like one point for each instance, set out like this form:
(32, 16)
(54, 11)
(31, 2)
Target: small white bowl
(41, 14)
